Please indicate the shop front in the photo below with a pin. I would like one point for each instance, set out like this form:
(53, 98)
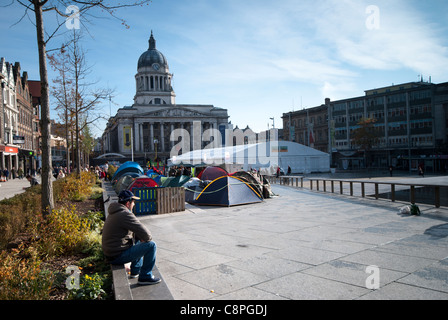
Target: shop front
(27, 161)
(9, 157)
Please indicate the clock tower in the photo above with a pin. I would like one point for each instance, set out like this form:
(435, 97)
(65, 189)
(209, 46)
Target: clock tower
(149, 128)
(153, 79)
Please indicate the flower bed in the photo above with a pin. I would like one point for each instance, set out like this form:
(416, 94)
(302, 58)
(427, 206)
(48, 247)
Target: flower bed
(57, 257)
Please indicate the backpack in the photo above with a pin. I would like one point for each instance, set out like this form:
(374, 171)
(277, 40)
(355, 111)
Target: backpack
(412, 209)
(415, 210)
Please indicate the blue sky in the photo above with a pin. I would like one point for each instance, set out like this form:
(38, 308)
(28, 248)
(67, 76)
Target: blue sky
(256, 58)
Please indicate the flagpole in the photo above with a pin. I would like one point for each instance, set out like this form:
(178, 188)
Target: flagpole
(132, 145)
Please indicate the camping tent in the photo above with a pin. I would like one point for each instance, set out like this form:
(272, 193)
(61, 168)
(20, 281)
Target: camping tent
(251, 179)
(124, 181)
(193, 188)
(128, 166)
(142, 182)
(156, 176)
(211, 173)
(175, 181)
(224, 191)
(153, 171)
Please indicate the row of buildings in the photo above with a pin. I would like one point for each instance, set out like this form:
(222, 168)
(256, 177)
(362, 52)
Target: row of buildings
(20, 132)
(19, 119)
(411, 122)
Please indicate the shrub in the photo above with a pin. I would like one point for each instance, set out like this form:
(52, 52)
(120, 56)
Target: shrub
(21, 276)
(24, 272)
(95, 220)
(17, 213)
(111, 171)
(74, 188)
(63, 232)
(90, 288)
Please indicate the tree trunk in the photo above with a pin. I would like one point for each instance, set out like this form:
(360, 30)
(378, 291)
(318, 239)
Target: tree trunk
(67, 146)
(47, 187)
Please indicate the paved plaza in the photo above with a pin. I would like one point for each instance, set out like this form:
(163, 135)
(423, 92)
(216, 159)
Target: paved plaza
(302, 244)
(10, 188)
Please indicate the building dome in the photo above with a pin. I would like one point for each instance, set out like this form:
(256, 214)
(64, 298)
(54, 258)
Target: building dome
(151, 56)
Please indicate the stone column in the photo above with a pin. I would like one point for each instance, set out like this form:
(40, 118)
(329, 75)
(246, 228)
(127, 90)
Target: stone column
(142, 138)
(196, 135)
(162, 136)
(171, 132)
(137, 137)
(151, 137)
(217, 141)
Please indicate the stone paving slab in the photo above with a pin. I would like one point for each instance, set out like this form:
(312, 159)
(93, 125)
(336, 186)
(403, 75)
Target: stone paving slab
(399, 291)
(302, 244)
(431, 277)
(301, 286)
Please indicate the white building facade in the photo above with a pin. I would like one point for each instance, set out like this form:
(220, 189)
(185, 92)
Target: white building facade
(9, 115)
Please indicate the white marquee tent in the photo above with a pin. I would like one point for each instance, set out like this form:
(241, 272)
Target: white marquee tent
(266, 156)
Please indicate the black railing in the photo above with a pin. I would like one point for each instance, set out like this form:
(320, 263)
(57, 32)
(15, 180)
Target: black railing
(331, 185)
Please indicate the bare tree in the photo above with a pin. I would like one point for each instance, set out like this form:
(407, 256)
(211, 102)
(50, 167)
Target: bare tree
(87, 98)
(59, 7)
(366, 137)
(62, 91)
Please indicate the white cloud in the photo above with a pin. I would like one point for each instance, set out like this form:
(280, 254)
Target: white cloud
(405, 38)
(243, 46)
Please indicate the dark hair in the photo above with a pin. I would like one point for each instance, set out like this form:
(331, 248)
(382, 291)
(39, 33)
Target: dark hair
(123, 202)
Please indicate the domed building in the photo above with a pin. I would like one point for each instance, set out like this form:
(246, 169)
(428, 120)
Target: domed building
(153, 80)
(142, 131)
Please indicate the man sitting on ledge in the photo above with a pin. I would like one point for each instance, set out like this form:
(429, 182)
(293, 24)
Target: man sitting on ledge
(126, 239)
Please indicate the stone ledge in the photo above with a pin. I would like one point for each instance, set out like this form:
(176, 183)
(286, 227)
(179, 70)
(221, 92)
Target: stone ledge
(125, 288)
(128, 289)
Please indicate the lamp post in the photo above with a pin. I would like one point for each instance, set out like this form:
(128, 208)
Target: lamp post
(132, 145)
(155, 143)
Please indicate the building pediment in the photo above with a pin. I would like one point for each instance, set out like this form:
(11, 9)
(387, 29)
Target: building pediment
(174, 113)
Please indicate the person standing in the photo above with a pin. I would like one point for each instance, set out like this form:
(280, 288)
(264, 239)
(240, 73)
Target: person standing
(420, 171)
(20, 173)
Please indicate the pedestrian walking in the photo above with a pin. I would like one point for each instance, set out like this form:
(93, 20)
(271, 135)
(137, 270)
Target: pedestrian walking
(420, 171)
(20, 173)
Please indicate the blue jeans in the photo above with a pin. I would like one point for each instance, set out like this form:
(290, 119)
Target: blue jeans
(142, 256)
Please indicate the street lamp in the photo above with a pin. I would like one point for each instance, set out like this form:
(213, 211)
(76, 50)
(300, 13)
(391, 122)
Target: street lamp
(155, 143)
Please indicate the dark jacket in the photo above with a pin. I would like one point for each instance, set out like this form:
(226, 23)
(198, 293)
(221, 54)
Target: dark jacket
(119, 229)
(34, 182)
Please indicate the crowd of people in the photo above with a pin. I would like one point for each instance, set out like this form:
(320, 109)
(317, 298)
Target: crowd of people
(58, 172)
(6, 175)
